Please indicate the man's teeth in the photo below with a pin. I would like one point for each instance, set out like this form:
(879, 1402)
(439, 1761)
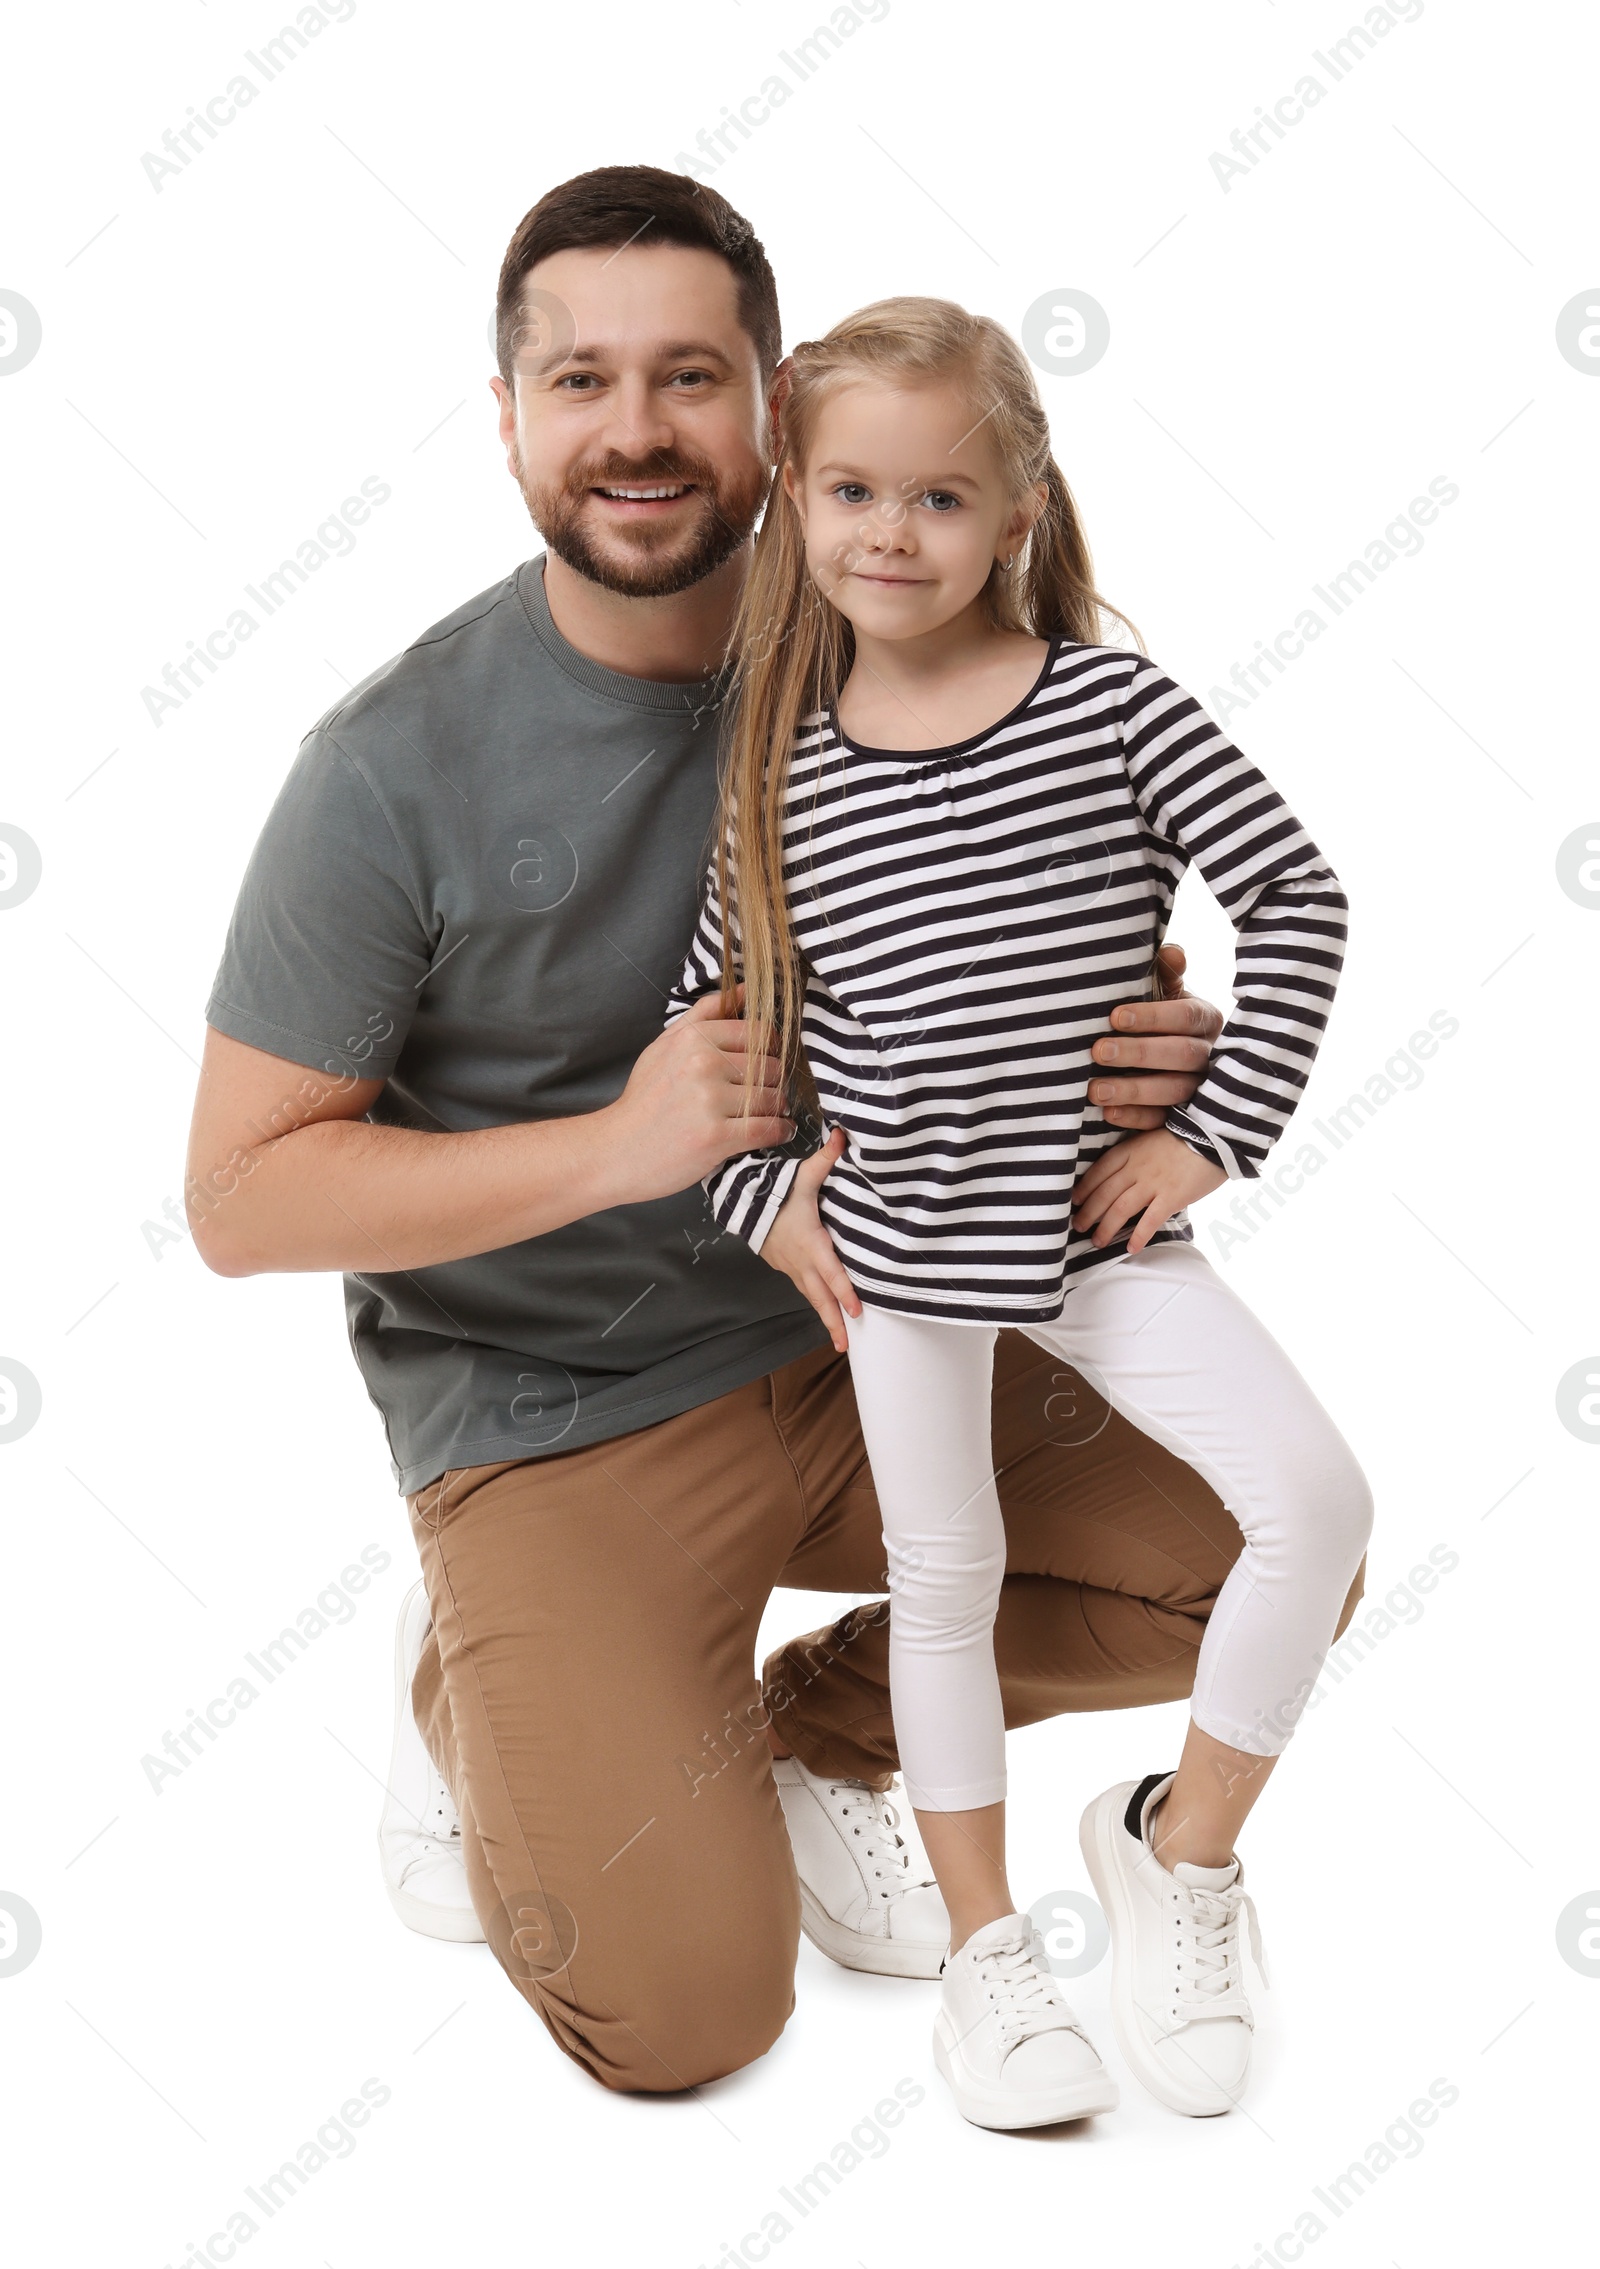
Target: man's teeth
(644, 494)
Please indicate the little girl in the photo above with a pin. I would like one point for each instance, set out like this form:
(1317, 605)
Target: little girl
(954, 822)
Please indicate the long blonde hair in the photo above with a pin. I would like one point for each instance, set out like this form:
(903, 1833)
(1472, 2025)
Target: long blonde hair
(794, 650)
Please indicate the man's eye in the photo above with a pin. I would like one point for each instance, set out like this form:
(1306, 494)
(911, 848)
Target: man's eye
(940, 500)
(852, 492)
(577, 381)
(693, 379)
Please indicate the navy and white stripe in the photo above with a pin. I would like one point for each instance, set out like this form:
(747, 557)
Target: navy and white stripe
(968, 918)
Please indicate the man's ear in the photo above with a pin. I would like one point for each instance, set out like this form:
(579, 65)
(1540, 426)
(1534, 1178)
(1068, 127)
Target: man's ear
(507, 400)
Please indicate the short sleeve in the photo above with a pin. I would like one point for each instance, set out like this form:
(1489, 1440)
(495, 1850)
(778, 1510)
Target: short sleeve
(328, 943)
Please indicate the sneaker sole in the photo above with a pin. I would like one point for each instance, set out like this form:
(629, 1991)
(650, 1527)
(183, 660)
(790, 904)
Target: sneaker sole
(460, 1926)
(883, 1957)
(986, 2104)
(1096, 1832)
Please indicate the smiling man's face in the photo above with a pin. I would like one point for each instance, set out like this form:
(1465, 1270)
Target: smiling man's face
(642, 450)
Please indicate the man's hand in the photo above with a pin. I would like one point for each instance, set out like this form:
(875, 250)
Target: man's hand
(287, 1172)
(1175, 1038)
(1151, 1175)
(680, 1114)
(801, 1248)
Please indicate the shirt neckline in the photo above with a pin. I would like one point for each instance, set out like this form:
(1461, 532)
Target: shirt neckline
(973, 741)
(610, 685)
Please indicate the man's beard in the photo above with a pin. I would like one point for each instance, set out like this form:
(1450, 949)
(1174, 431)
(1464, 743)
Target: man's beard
(644, 560)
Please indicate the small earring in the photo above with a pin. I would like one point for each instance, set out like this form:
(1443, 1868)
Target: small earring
(1006, 565)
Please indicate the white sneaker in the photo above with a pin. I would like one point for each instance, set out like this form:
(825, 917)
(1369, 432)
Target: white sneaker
(867, 1895)
(1006, 2039)
(1177, 1968)
(419, 1835)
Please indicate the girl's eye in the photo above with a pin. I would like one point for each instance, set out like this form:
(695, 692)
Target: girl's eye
(940, 500)
(852, 492)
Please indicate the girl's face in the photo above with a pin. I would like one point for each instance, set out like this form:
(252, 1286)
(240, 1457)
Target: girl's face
(904, 506)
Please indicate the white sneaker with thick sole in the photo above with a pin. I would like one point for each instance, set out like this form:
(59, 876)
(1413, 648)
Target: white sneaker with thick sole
(867, 1894)
(419, 1835)
(1177, 1968)
(1007, 2040)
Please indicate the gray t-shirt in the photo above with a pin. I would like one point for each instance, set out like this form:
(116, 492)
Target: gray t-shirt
(478, 882)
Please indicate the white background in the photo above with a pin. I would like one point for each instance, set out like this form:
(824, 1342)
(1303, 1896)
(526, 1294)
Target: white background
(1292, 359)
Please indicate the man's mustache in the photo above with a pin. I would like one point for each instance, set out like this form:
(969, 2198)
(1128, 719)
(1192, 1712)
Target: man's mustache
(663, 465)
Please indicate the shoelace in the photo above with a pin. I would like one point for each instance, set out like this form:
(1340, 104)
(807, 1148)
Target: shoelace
(1025, 1998)
(1214, 1983)
(881, 1838)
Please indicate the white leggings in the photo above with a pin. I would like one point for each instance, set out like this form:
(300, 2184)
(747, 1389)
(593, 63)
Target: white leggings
(1171, 1348)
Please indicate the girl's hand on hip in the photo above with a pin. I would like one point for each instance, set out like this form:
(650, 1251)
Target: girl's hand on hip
(1152, 1176)
(801, 1248)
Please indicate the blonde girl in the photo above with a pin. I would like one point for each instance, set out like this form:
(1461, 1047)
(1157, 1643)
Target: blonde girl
(954, 821)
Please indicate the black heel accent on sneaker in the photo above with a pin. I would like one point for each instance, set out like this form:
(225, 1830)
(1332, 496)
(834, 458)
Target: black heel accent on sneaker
(1133, 1818)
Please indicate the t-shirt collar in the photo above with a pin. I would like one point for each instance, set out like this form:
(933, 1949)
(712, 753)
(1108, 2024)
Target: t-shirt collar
(610, 685)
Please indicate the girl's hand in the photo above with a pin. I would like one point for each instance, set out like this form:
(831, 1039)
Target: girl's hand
(798, 1244)
(1151, 1175)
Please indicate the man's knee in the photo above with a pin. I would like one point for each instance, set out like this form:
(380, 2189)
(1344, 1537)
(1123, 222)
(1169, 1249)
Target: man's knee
(710, 2017)
(685, 1984)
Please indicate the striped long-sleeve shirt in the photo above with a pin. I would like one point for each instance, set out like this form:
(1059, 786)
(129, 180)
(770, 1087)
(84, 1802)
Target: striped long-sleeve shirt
(967, 919)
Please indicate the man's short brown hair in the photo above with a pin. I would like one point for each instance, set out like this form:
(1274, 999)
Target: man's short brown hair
(639, 204)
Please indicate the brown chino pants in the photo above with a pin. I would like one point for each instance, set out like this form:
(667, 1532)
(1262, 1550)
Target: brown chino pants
(590, 1696)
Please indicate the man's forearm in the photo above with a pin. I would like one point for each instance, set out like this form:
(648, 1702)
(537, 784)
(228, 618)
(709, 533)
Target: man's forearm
(348, 1194)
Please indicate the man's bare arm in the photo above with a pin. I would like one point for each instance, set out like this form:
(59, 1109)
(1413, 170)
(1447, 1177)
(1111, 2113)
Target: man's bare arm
(1168, 1043)
(286, 1173)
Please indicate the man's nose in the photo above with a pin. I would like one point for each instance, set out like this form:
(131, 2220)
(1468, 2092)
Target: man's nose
(640, 421)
